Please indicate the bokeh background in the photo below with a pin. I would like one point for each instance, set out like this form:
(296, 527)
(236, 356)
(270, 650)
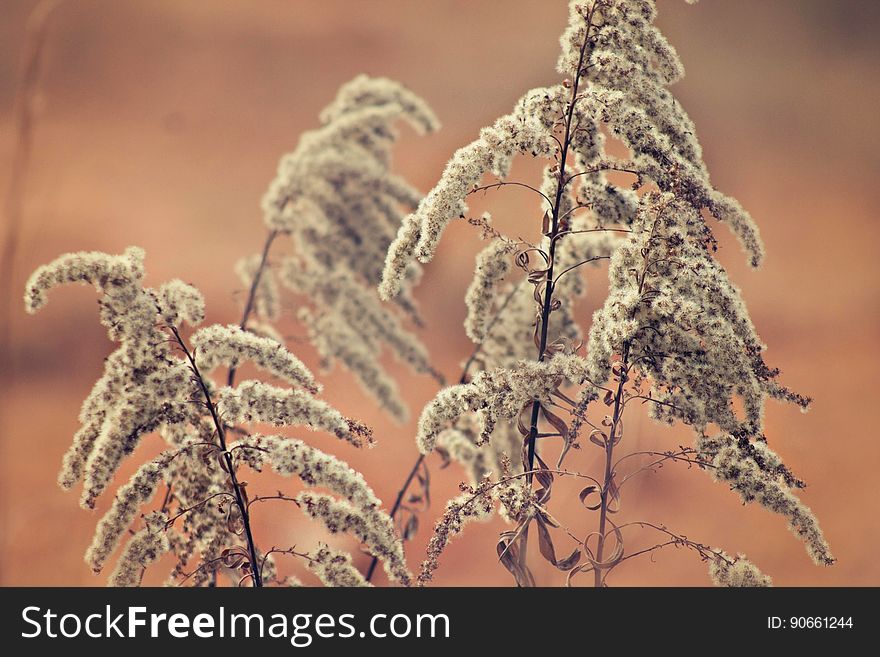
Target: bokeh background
(161, 122)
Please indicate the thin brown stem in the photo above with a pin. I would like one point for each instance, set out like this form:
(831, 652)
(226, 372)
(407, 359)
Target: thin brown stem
(507, 183)
(289, 551)
(619, 405)
(396, 507)
(546, 305)
(250, 302)
(547, 299)
(609, 467)
(182, 512)
(230, 466)
(580, 264)
(266, 498)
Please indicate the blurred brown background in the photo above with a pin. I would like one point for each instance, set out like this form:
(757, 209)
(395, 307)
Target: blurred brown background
(161, 125)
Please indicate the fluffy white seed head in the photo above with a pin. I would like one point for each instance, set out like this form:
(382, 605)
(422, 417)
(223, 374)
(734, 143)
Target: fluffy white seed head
(257, 402)
(497, 394)
(757, 474)
(375, 530)
(736, 572)
(289, 456)
(335, 341)
(180, 302)
(142, 549)
(334, 568)
(493, 265)
(337, 197)
(230, 346)
(148, 386)
(130, 498)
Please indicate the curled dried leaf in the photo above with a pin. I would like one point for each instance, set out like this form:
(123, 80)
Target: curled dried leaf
(509, 554)
(570, 561)
(598, 438)
(233, 557)
(545, 541)
(585, 493)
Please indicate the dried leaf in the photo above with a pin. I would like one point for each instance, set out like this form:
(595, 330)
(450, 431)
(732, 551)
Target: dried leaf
(520, 425)
(445, 459)
(543, 475)
(556, 422)
(232, 558)
(570, 561)
(545, 541)
(509, 555)
(234, 521)
(572, 573)
(537, 276)
(410, 528)
(613, 495)
(585, 493)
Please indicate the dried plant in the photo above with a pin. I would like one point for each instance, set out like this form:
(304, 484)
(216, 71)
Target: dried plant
(673, 334)
(159, 381)
(338, 200)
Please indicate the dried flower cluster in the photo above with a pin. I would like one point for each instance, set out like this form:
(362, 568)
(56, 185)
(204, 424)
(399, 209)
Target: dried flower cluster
(673, 333)
(156, 382)
(337, 198)
(360, 513)
(739, 572)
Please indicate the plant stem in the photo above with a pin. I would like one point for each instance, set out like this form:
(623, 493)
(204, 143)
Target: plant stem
(252, 295)
(545, 310)
(396, 507)
(221, 436)
(546, 305)
(609, 467)
(615, 422)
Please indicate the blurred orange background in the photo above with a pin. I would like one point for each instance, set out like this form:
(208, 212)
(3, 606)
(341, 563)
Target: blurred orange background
(161, 124)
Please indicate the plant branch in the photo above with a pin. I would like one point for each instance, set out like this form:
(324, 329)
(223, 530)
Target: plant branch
(506, 183)
(221, 437)
(396, 507)
(546, 305)
(619, 405)
(252, 295)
